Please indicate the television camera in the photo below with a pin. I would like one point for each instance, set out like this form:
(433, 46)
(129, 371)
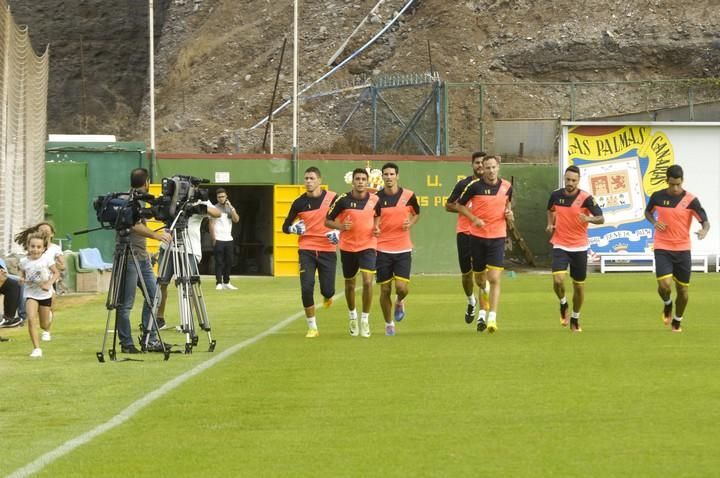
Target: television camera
(181, 197)
(120, 211)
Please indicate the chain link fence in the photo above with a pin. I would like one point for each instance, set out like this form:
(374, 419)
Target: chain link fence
(421, 114)
(521, 121)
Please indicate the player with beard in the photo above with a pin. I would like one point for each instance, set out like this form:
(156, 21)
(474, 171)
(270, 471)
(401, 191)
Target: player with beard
(569, 211)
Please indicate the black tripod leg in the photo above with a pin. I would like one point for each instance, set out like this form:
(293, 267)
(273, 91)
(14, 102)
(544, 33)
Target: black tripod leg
(117, 283)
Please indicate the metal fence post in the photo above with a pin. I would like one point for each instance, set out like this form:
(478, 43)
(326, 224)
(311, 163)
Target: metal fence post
(482, 123)
(691, 98)
(374, 120)
(446, 88)
(438, 100)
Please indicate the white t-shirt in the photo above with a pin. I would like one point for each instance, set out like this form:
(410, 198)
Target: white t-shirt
(53, 251)
(37, 272)
(223, 224)
(193, 229)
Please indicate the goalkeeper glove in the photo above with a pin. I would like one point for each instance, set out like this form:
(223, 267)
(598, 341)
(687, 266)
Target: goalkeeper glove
(298, 228)
(333, 236)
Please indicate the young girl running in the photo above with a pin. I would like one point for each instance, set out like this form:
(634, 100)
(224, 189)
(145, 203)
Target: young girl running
(38, 273)
(53, 250)
(55, 254)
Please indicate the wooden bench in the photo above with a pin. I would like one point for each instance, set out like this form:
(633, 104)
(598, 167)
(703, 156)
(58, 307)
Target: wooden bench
(642, 262)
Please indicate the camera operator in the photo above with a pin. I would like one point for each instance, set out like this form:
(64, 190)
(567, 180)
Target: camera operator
(194, 249)
(221, 229)
(139, 183)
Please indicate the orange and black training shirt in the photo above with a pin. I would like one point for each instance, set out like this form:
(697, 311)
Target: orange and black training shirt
(676, 212)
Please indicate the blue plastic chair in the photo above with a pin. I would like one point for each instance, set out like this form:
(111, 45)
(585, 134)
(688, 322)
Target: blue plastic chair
(91, 259)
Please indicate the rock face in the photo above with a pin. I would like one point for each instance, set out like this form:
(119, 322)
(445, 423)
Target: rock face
(98, 60)
(216, 60)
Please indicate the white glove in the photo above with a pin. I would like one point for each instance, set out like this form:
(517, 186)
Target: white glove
(333, 236)
(298, 228)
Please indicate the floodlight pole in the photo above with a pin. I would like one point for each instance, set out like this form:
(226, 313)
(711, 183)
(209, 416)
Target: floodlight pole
(151, 24)
(294, 165)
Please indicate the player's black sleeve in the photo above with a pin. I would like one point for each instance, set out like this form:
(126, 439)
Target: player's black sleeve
(591, 205)
(336, 207)
(457, 191)
(510, 193)
(695, 206)
(377, 205)
(413, 203)
(651, 203)
(468, 192)
(551, 201)
(294, 209)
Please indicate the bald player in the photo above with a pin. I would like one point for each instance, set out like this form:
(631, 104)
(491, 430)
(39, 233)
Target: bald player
(486, 202)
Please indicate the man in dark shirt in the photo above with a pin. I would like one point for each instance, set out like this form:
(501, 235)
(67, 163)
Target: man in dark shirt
(143, 278)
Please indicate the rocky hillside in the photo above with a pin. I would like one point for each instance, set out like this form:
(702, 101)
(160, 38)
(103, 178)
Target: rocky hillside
(216, 59)
(98, 61)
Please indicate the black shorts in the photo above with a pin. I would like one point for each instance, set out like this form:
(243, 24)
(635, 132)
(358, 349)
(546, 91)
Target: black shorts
(41, 302)
(325, 264)
(677, 264)
(393, 266)
(487, 253)
(464, 252)
(352, 262)
(576, 259)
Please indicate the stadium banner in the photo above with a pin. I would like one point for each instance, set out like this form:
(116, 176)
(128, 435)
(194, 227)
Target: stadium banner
(622, 164)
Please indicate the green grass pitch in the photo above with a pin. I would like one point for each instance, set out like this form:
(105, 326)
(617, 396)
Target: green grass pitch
(624, 398)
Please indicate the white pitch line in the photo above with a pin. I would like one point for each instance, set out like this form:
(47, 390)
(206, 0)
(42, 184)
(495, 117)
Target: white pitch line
(125, 415)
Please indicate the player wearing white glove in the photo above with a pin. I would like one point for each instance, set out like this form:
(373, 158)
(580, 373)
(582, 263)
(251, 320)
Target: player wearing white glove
(316, 250)
(298, 228)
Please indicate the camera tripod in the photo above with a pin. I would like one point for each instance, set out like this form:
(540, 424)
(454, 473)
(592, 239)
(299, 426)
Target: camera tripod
(191, 303)
(124, 252)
